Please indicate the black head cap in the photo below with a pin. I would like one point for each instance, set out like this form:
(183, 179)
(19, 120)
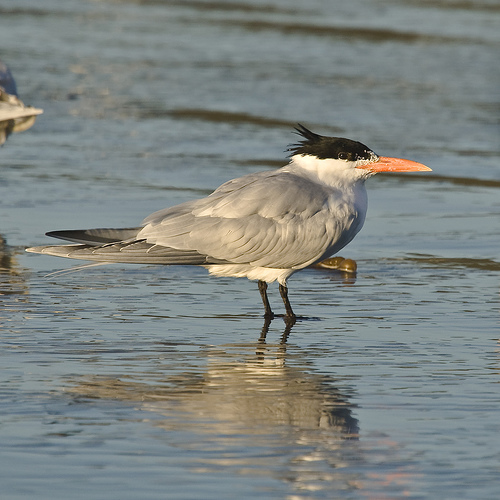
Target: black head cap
(329, 147)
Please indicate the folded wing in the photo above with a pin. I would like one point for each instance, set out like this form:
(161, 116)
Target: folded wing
(269, 219)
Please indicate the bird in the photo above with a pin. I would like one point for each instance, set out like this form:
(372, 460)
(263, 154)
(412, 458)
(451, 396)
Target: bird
(264, 226)
(14, 115)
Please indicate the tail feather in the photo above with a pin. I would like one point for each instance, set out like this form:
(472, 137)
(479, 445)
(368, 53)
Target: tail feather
(134, 252)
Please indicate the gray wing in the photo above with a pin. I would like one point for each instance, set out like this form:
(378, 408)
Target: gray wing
(270, 219)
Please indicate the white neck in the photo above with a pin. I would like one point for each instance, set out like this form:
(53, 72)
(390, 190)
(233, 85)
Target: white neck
(328, 171)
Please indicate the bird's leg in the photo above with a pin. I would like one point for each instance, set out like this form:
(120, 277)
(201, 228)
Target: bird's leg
(268, 313)
(290, 315)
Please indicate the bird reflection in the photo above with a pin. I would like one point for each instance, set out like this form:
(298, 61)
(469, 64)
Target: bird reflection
(11, 275)
(284, 337)
(247, 410)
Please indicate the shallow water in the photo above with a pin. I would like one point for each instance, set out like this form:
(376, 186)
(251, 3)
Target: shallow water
(154, 382)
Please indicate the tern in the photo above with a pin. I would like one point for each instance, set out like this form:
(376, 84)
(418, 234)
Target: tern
(14, 115)
(263, 226)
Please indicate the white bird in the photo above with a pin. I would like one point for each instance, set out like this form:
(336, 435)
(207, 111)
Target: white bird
(14, 115)
(263, 226)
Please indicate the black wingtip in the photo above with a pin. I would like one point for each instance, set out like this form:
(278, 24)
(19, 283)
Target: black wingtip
(54, 234)
(75, 236)
(99, 236)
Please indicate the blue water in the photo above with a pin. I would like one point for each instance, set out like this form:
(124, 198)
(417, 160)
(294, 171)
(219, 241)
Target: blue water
(127, 382)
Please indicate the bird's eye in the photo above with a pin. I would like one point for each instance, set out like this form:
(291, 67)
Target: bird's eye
(343, 156)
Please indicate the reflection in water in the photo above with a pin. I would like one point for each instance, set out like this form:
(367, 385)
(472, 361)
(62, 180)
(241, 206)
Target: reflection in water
(216, 116)
(455, 262)
(284, 336)
(250, 412)
(12, 278)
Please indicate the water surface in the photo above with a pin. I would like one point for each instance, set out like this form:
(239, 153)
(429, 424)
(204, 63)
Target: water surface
(154, 382)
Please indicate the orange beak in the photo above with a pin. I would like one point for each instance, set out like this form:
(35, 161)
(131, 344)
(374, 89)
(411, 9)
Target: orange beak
(386, 164)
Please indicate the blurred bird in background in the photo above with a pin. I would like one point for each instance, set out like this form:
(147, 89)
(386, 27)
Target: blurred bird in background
(14, 115)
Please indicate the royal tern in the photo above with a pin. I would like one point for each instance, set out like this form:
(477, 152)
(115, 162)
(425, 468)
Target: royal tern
(263, 226)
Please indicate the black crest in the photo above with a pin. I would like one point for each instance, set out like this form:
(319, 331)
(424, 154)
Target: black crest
(323, 147)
